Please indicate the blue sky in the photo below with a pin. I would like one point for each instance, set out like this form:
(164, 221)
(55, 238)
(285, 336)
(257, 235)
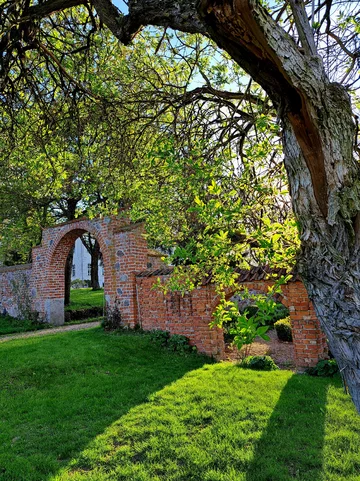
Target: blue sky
(120, 5)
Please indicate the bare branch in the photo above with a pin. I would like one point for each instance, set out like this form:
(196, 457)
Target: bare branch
(49, 54)
(42, 10)
(164, 13)
(303, 27)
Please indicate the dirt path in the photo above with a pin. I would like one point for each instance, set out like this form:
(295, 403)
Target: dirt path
(281, 352)
(53, 330)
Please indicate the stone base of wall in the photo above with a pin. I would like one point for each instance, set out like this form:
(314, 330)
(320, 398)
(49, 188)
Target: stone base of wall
(12, 279)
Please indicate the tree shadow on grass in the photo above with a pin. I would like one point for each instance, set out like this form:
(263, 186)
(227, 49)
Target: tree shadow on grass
(291, 446)
(58, 393)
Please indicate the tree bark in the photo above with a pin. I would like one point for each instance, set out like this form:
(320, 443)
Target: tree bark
(70, 212)
(93, 248)
(68, 270)
(95, 257)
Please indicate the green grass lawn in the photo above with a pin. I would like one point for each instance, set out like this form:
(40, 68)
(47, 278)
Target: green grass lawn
(84, 298)
(10, 325)
(103, 407)
(80, 299)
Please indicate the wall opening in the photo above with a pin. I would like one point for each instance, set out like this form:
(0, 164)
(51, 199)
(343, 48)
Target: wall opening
(282, 352)
(64, 267)
(84, 280)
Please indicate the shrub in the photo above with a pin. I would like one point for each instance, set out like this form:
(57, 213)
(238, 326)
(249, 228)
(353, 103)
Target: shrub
(251, 312)
(113, 318)
(324, 368)
(159, 337)
(87, 313)
(179, 343)
(176, 342)
(280, 312)
(259, 363)
(283, 330)
(80, 284)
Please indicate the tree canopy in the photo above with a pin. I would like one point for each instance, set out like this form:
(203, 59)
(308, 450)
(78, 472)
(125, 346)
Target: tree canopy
(304, 55)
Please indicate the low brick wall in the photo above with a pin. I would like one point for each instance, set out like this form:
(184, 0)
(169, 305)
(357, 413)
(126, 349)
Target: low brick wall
(309, 340)
(188, 315)
(20, 276)
(191, 314)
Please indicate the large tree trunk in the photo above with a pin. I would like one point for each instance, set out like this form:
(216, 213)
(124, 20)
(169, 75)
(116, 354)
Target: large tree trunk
(68, 271)
(93, 248)
(95, 257)
(70, 212)
(329, 259)
(318, 133)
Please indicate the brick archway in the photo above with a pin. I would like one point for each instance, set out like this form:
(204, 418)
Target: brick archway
(58, 253)
(124, 252)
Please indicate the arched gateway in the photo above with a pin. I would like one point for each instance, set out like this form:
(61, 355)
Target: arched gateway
(131, 270)
(124, 251)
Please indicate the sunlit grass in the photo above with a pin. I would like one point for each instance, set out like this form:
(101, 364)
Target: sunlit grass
(94, 406)
(85, 298)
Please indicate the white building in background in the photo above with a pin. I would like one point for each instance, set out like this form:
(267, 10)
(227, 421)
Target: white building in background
(81, 268)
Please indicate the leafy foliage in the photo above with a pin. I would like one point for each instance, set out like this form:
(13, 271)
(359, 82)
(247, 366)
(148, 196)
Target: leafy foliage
(85, 313)
(259, 363)
(283, 330)
(113, 318)
(245, 330)
(176, 342)
(159, 337)
(279, 311)
(324, 368)
(180, 343)
(153, 141)
(245, 327)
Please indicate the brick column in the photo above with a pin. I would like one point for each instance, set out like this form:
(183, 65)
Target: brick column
(131, 256)
(309, 340)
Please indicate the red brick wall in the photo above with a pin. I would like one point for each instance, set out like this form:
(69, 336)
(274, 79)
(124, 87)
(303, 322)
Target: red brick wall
(154, 261)
(131, 252)
(125, 253)
(309, 340)
(190, 315)
(19, 274)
